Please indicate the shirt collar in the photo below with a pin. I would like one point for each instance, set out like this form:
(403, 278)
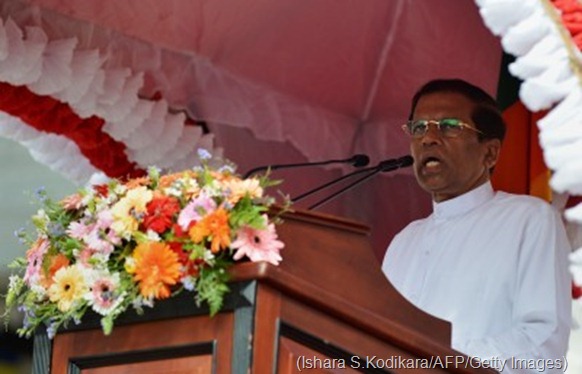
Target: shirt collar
(464, 203)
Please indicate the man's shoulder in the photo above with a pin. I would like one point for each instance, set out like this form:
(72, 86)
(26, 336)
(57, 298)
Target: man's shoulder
(506, 200)
(414, 225)
(524, 210)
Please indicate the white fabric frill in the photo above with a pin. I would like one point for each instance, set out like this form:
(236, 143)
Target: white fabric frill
(62, 154)
(545, 55)
(151, 132)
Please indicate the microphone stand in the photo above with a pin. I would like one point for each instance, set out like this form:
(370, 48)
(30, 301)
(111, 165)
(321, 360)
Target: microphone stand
(358, 160)
(384, 166)
(346, 188)
(331, 183)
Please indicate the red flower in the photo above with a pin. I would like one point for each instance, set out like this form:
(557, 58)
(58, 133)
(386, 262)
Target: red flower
(159, 213)
(576, 291)
(101, 189)
(176, 247)
(189, 267)
(179, 233)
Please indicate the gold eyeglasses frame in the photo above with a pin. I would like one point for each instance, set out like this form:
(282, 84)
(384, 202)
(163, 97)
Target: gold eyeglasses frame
(439, 124)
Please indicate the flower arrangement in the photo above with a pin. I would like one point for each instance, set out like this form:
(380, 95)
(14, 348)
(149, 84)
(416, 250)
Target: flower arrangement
(120, 245)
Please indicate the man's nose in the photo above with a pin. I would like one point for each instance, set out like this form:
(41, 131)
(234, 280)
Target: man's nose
(433, 134)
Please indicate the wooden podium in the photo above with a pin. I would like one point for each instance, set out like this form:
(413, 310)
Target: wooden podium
(326, 308)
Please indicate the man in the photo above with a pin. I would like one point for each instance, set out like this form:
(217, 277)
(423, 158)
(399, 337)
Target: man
(493, 264)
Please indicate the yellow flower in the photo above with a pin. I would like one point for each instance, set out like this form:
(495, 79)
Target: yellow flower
(156, 268)
(215, 227)
(68, 287)
(123, 223)
(129, 265)
(138, 198)
(125, 210)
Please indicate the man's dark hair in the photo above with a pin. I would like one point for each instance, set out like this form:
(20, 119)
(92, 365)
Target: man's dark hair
(486, 114)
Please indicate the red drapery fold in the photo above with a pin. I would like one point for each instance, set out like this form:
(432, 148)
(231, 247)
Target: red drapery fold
(521, 168)
(49, 115)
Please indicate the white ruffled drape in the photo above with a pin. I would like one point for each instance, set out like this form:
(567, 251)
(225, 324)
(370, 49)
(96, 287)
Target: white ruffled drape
(60, 153)
(549, 63)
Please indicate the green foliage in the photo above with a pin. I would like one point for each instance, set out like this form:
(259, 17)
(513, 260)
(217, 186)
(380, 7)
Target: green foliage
(211, 288)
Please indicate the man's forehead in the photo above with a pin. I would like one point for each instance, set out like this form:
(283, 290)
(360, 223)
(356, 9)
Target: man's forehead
(443, 104)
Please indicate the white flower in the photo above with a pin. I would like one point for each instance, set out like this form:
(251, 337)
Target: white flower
(153, 236)
(190, 186)
(173, 191)
(208, 256)
(119, 189)
(88, 197)
(14, 281)
(39, 292)
(188, 282)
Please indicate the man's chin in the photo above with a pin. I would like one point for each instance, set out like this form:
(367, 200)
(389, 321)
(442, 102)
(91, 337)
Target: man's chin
(432, 184)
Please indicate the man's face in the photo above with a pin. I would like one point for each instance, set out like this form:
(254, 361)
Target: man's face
(449, 167)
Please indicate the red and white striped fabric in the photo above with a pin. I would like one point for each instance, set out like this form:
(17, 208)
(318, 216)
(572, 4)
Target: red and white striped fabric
(82, 119)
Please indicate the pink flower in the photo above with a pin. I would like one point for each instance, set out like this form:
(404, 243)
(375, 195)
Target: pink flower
(98, 235)
(258, 245)
(78, 230)
(99, 244)
(195, 210)
(85, 256)
(72, 202)
(104, 296)
(34, 258)
(104, 219)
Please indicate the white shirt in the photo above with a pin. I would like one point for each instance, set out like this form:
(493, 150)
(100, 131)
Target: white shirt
(494, 265)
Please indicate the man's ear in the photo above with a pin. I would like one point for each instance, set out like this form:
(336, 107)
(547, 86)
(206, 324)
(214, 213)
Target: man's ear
(492, 149)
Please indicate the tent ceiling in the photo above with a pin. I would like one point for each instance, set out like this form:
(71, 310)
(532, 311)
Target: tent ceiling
(289, 80)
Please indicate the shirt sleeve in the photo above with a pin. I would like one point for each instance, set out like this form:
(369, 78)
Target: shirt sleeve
(542, 301)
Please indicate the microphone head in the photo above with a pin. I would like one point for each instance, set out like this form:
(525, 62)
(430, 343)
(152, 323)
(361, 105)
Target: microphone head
(395, 163)
(360, 160)
(405, 161)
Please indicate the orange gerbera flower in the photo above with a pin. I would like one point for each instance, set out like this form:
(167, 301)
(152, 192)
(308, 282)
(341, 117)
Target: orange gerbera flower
(168, 179)
(156, 268)
(137, 182)
(215, 227)
(56, 262)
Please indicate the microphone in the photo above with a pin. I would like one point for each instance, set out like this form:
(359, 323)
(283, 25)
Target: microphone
(394, 164)
(382, 167)
(357, 160)
(386, 165)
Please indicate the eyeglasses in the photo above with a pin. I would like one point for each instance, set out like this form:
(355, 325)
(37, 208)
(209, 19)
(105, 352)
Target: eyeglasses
(448, 127)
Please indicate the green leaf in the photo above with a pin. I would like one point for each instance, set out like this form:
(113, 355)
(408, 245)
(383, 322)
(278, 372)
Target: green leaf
(107, 324)
(245, 213)
(212, 288)
(18, 263)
